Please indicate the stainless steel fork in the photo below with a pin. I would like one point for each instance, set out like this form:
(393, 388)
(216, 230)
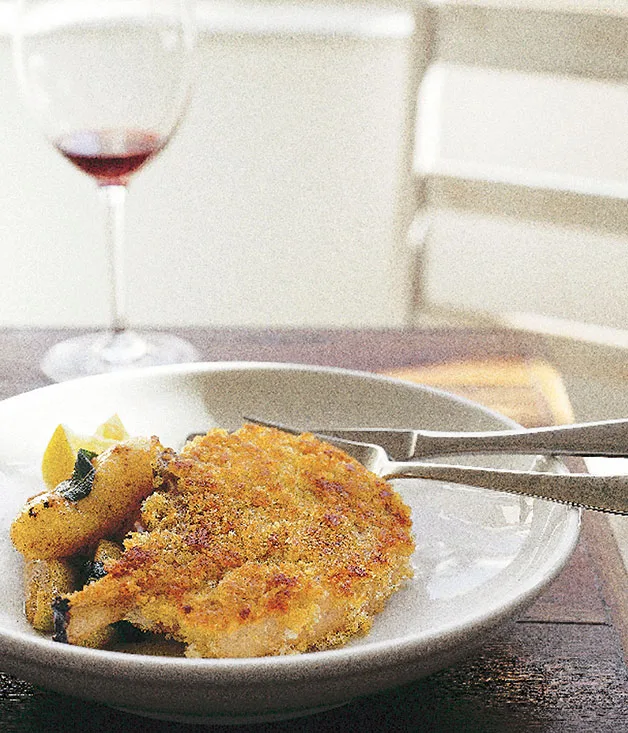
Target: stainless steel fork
(599, 493)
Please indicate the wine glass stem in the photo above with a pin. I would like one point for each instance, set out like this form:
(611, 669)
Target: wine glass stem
(114, 198)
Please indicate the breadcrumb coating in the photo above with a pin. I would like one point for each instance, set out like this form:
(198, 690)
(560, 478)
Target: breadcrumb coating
(255, 543)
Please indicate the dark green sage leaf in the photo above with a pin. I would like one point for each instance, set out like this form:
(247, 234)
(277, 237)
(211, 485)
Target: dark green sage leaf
(82, 480)
(83, 465)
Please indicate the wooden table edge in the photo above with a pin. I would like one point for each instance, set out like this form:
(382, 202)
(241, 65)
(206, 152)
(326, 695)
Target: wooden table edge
(605, 554)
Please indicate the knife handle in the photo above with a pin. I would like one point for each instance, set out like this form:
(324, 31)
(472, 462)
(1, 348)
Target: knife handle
(605, 438)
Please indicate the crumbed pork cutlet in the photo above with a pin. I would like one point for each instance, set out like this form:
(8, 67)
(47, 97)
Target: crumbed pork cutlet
(257, 543)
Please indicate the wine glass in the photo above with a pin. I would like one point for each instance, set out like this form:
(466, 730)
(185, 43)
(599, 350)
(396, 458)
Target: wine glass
(109, 82)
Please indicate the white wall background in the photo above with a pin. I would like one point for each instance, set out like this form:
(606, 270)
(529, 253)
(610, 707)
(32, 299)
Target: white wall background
(279, 202)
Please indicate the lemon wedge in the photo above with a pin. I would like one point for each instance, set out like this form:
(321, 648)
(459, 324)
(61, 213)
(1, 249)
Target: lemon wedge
(60, 454)
(112, 429)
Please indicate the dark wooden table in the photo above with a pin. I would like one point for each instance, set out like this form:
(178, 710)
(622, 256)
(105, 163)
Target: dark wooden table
(560, 667)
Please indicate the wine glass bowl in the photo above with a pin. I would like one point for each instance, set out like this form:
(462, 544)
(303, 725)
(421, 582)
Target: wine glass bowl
(108, 82)
(110, 156)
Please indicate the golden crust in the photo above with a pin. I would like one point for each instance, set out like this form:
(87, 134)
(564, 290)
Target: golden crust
(257, 543)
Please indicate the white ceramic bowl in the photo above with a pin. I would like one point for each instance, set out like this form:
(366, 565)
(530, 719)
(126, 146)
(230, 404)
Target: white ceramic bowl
(480, 558)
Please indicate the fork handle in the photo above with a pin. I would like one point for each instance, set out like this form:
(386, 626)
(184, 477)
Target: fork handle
(600, 493)
(603, 438)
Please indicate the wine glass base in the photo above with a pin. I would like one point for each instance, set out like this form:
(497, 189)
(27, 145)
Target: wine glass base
(100, 353)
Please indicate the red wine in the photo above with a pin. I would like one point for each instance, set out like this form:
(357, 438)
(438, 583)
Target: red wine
(110, 156)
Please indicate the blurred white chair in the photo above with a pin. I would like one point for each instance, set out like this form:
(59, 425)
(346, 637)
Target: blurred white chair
(522, 152)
